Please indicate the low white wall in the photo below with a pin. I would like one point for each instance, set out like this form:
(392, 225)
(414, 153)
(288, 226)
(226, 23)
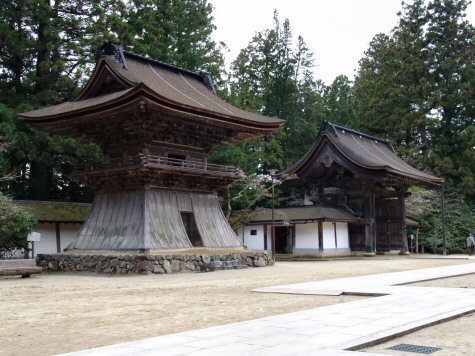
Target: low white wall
(343, 239)
(253, 242)
(47, 244)
(306, 236)
(328, 235)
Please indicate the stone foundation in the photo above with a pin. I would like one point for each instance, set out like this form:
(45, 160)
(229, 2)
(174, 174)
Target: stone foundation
(145, 263)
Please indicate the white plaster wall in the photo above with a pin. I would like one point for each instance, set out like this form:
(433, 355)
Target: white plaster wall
(306, 235)
(306, 200)
(254, 242)
(47, 244)
(343, 240)
(68, 234)
(328, 235)
(240, 234)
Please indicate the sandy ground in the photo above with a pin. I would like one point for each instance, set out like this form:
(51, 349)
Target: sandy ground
(57, 312)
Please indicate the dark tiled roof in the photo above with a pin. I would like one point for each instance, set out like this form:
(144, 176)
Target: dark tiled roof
(168, 83)
(367, 152)
(53, 211)
(72, 106)
(305, 213)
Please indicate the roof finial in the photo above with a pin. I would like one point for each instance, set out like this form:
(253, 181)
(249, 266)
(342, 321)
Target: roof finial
(207, 80)
(114, 49)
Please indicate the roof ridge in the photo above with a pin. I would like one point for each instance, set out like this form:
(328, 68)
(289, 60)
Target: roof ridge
(334, 126)
(116, 50)
(54, 202)
(202, 75)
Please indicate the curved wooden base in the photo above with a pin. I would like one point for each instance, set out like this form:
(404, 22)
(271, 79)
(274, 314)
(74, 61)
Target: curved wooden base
(154, 219)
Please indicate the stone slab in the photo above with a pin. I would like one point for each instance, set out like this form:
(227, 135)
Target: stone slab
(332, 330)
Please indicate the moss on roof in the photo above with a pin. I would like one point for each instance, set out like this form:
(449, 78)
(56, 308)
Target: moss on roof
(53, 211)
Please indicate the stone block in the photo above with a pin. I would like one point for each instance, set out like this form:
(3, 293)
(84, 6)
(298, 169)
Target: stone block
(114, 262)
(167, 266)
(158, 269)
(175, 265)
(144, 266)
(259, 262)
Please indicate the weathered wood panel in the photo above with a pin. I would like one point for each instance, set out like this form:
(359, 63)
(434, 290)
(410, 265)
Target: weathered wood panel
(165, 227)
(151, 219)
(24, 271)
(389, 219)
(212, 224)
(115, 222)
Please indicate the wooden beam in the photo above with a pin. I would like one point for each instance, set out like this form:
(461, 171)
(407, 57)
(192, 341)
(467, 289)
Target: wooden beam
(320, 236)
(58, 236)
(402, 205)
(24, 271)
(265, 236)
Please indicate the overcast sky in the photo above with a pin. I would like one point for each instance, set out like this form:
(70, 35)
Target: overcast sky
(336, 31)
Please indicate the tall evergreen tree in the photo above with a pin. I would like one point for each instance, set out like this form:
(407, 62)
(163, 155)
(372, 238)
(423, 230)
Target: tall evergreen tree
(416, 88)
(48, 49)
(272, 78)
(176, 32)
(340, 103)
(451, 65)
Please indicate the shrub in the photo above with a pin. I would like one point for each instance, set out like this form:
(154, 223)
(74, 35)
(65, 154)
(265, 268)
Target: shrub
(15, 224)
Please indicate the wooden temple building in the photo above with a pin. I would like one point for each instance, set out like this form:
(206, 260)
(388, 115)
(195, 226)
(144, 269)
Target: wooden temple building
(355, 187)
(156, 124)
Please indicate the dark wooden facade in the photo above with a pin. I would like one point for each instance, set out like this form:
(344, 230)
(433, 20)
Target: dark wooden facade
(362, 174)
(156, 124)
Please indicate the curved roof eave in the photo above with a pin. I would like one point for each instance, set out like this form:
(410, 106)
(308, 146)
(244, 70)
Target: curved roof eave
(325, 137)
(119, 98)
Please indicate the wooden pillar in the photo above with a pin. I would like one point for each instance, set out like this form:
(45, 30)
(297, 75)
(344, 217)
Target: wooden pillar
(370, 227)
(336, 237)
(417, 240)
(320, 236)
(265, 236)
(402, 206)
(58, 237)
(442, 203)
(294, 236)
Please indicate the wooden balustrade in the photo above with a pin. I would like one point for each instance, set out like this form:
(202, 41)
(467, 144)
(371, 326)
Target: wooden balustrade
(169, 163)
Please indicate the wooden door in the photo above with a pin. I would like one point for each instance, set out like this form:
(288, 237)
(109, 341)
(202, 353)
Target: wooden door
(388, 224)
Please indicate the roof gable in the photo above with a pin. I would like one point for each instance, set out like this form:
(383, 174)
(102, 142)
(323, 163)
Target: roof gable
(166, 85)
(105, 80)
(360, 153)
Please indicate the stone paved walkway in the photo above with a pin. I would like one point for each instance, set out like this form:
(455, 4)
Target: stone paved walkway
(330, 330)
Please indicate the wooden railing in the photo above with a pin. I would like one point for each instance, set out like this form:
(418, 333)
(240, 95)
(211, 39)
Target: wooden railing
(188, 165)
(184, 165)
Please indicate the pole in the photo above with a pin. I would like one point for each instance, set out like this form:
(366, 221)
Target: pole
(272, 173)
(273, 225)
(417, 240)
(442, 199)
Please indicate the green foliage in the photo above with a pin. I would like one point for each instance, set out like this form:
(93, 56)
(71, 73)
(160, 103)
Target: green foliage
(48, 50)
(425, 207)
(176, 32)
(272, 78)
(340, 103)
(15, 224)
(41, 162)
(416, 87)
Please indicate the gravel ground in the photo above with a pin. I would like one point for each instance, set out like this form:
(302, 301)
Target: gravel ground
(57, 312)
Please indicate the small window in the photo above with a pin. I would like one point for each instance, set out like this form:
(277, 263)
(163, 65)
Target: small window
(176, 160)
(253, 232)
